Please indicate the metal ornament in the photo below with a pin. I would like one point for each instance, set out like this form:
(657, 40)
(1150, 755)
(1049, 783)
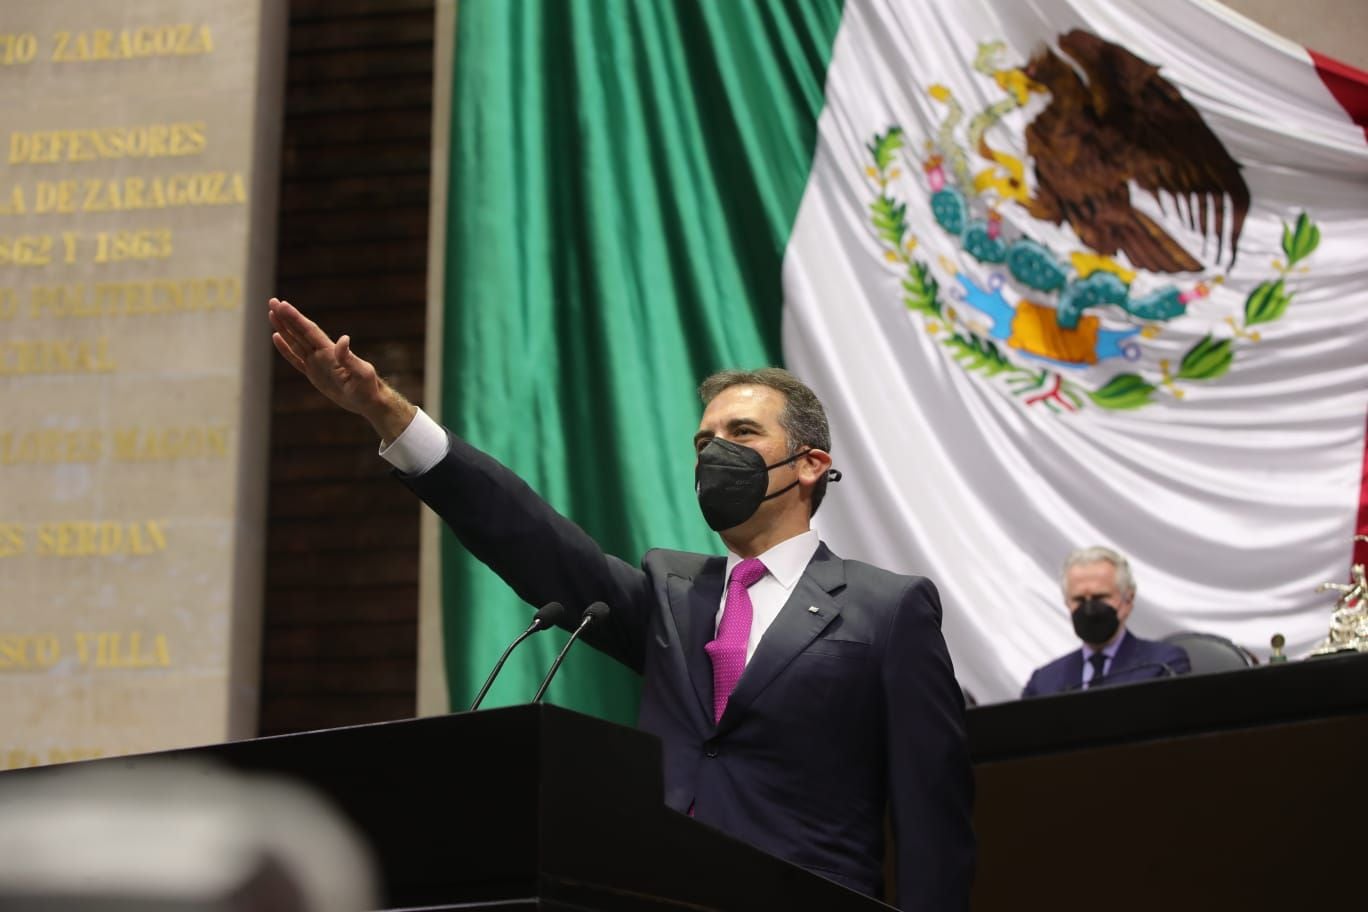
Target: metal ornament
(1349, 619)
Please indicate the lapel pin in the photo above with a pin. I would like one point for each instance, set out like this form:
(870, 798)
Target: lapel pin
(812, 609)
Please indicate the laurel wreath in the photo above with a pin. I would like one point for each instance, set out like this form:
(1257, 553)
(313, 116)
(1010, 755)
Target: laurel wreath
(1208, 359)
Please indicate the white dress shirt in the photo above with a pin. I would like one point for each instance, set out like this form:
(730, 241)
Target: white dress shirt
(423, 444)
(785, 562)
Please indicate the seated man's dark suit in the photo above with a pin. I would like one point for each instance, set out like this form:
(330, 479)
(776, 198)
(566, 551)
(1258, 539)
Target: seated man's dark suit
(1135, 660)
(841, 714)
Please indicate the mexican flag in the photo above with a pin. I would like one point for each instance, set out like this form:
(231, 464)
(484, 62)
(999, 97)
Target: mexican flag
(1063, 273)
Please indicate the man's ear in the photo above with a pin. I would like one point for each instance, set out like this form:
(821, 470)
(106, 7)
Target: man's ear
(813, 465)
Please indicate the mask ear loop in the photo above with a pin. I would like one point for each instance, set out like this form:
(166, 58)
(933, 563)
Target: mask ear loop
(832, 474)
(784, 462)
(784, 490)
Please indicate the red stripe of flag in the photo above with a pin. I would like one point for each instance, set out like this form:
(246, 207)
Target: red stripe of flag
(1348, 84)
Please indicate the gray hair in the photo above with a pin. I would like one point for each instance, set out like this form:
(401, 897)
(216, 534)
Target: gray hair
(1096, 554)
(803, 418)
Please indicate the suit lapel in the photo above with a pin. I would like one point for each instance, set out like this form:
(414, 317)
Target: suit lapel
(694, 604)
(795, 627)
(1073, 671)
(1125, 654)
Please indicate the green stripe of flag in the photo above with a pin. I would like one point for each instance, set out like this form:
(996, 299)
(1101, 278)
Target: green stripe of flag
(624, 175)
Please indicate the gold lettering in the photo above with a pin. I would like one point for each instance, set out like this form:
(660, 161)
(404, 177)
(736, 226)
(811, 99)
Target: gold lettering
(115, 649)
(21, 758)
(98, 649)
(58, 196)
(80, 146)
(55, 447)
(168, 444)
(188, 138)
(72, 754)
(88, 538)
(49, 447)
(16, 49)
(81, 48)
(144, 244)
(55, 356)
(58, 300)
(29, 652)
(94, 194)
(18, 758)
(136, 297)
(178, 40)
(133, 187)
(156, 140)
(12, 541)
(13, 203)
(25, 250)
(100, 41)
(131, 194)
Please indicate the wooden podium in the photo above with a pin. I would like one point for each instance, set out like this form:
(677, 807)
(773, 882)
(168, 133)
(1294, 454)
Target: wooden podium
(1236, 790)
(529, 807)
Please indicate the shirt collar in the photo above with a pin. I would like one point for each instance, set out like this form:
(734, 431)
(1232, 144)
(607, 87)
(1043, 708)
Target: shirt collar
(1109, 652)
(785, 561)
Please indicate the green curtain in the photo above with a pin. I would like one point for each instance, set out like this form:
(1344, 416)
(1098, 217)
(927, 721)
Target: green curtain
(624, 176)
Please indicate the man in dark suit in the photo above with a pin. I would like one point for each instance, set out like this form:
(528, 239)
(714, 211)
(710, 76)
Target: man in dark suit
(1100, 592)
(800, 698)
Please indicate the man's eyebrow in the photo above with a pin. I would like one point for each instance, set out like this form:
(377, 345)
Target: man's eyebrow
(734, 425)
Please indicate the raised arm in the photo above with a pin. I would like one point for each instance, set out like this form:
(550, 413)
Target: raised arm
(540, 554)
(336, 371)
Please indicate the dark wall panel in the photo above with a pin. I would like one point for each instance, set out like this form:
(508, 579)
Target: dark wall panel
(340, 637)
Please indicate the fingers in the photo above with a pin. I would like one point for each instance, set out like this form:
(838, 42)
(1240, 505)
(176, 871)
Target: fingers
(350, 361)
(345, 356)
(301, 342)
(287, 353)
(286, 342)
(303, 334)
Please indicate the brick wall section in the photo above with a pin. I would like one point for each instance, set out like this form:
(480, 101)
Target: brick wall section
(340, 632)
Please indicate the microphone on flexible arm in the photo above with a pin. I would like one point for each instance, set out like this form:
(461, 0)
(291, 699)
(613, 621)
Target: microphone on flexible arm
(595, 612)
(1167, 669)
(547, 615)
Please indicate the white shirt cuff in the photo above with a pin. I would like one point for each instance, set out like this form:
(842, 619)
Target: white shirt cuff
(421, 446)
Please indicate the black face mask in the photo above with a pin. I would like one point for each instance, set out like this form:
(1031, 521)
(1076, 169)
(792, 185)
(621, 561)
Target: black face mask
(1095, 621)
(731, 481)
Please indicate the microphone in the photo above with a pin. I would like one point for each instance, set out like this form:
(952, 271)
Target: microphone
(1166, 668)
(595, 612)
(547, 615)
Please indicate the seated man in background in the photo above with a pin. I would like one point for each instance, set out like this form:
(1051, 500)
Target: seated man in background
(1100, 592)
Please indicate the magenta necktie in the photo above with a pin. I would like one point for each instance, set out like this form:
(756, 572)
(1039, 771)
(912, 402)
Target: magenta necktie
(728, 650)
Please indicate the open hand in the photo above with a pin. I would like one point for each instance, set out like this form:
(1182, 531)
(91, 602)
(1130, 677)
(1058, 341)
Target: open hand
(336, 371)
